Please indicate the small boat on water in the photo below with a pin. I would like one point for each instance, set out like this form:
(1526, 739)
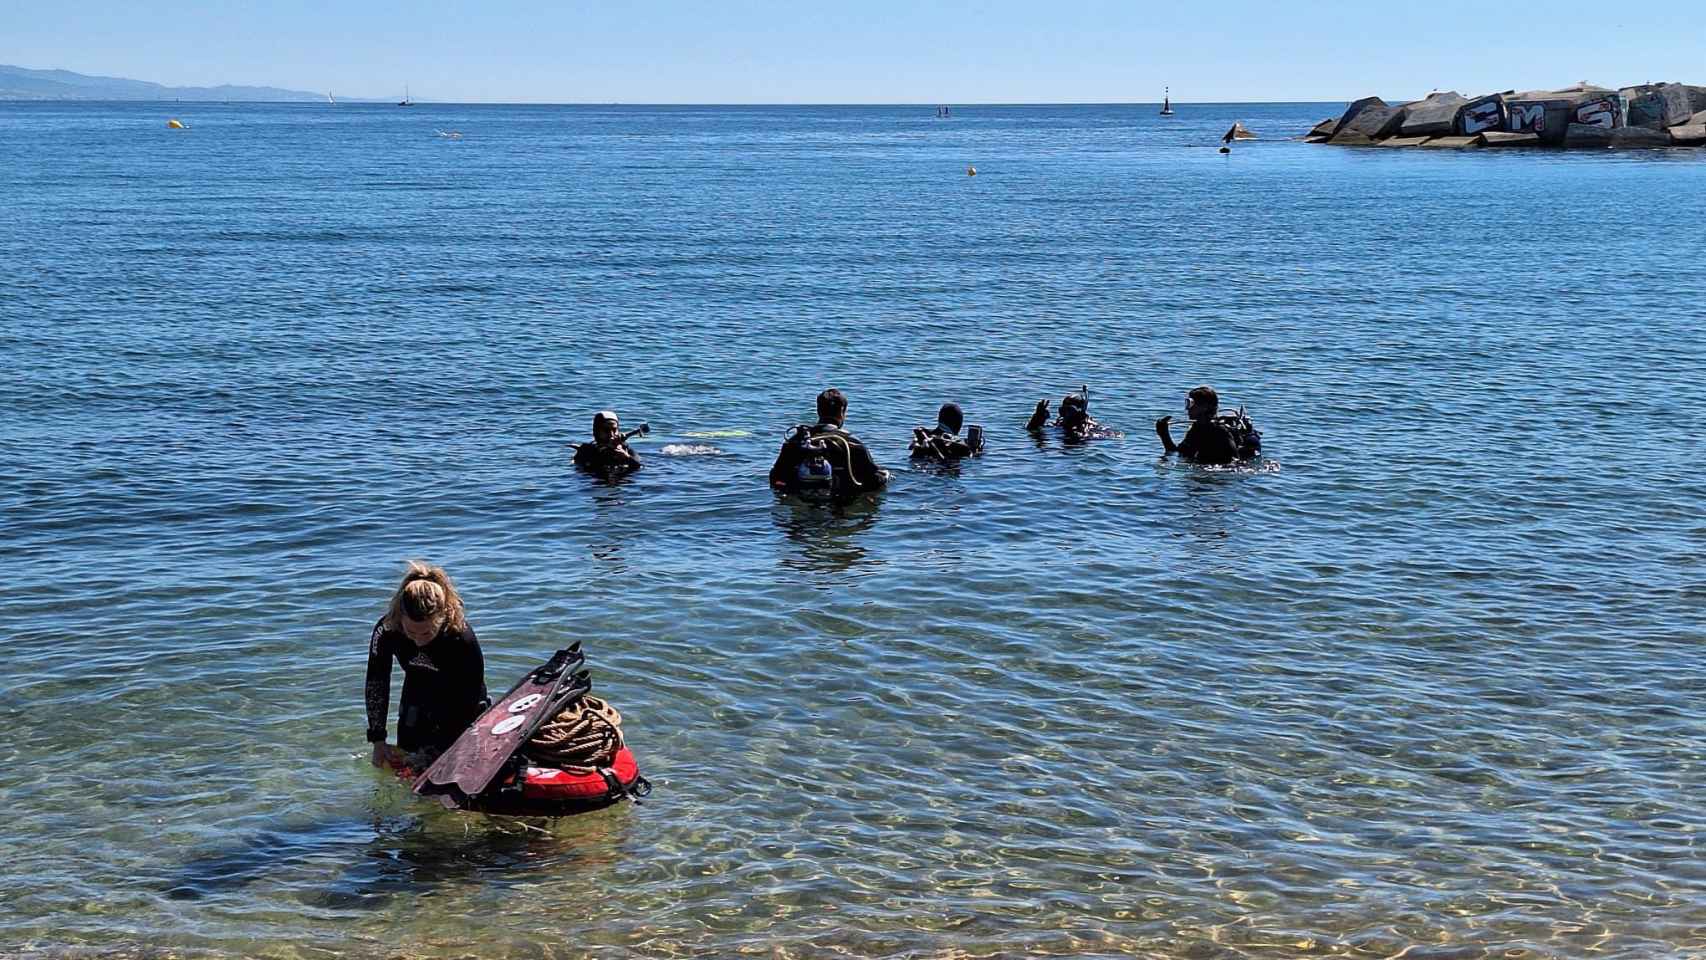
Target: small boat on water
(405, 102)
(1167, 102)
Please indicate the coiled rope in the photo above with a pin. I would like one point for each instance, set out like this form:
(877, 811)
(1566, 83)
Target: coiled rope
(580, 739)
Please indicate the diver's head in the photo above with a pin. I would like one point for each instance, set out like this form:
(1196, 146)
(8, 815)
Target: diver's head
(1202, 403)
(1074, 410)
(950, 417)
(832, 407)
(425, 603)
(605, 426)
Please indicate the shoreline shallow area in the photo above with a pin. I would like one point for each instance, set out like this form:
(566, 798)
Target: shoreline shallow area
(1425, 682)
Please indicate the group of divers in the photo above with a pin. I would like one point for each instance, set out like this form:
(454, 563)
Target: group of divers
(823, 461)
(547, 747)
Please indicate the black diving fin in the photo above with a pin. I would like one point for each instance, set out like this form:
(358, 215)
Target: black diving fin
(483, 751)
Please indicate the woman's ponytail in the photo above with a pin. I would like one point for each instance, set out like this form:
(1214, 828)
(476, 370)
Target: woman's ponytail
(426, 593)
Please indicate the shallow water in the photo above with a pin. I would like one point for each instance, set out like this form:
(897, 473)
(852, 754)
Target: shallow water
(1428, 680)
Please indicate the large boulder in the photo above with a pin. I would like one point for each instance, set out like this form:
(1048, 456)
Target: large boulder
(1656, 105)
(1678, 104)
(1630, 138)
(1325, 128)
(1587, 136)
(1596, 106)
(1452, 143)
(1352, 138)
(1352, 111)
(1433, 116)
(1482, 113)
(1696, 97)
(1373, 122)
(1590, 136)
(1501, 138)
(1404, 141)
(1542, 113)
(1688, 135)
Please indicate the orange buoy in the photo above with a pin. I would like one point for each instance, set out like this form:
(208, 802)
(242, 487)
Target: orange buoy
(176, 124)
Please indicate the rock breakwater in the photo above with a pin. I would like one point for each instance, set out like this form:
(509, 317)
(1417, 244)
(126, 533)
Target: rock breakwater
(1578, 116)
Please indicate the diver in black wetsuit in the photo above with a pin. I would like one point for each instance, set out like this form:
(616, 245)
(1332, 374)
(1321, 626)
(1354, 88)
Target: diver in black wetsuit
(1074, 420)
(1212, 438)
(444, 673)
(609, 451)
(944, 444)
(825, 460)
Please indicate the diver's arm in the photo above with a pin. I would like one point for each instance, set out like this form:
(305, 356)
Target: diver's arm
(625, 457)
(378, 690)
(865, 469)
(1039, 417)
(1164, 430)
(779, 470)
(475, 699)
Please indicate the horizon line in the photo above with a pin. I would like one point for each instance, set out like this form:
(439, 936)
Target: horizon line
(371, 101)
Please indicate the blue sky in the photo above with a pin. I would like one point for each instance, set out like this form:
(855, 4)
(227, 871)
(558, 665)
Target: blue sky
(873, 51)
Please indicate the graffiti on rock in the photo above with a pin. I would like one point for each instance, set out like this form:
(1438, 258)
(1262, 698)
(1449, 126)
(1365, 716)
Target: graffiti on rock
(1484, 115)
(1598, 113)
(1528, 117)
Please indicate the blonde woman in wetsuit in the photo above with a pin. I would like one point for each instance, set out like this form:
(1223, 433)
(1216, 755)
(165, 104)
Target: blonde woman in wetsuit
(444, 674)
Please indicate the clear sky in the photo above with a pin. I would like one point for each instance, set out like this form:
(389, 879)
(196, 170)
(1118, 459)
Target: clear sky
(866, 51)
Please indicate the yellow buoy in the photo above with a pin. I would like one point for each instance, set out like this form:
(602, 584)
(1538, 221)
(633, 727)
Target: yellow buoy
(971, 171)
(175, 124)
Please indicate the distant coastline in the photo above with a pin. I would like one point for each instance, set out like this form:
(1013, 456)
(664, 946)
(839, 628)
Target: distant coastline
(22, 83)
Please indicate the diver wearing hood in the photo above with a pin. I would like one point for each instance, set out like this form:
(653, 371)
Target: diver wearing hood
(944, 442)
(1074, 419)
(824, 460)
(609, 451)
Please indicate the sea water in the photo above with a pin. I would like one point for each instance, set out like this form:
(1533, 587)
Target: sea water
(1425, 681)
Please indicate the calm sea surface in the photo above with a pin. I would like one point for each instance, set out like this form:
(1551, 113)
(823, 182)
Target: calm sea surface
(1426, 682)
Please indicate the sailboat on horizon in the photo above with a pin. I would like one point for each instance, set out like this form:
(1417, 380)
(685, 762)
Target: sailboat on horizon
(405, 102)
(1167, 101)
(329, 98)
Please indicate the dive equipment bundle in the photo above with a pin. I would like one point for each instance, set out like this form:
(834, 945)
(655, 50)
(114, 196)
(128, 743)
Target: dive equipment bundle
(486, 768)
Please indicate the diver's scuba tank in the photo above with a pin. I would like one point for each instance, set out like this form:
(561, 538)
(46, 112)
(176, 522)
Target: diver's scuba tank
(814, 475)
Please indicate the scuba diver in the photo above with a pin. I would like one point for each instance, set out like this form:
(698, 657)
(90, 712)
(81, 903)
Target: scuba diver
(1074, 420)
(444, 673)
(1212, 438)
(825, 461)
(609, 451)
(944, 443)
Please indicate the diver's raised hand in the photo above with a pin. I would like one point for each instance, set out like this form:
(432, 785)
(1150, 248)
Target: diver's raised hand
(1039, 417)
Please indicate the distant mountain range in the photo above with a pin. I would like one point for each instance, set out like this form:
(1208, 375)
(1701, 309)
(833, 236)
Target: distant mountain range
(20, 83)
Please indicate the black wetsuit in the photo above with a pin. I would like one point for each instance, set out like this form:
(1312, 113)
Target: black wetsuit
(612, 459)
(942, 445)
(865, 473)
(444, 686)
(1208, 442)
